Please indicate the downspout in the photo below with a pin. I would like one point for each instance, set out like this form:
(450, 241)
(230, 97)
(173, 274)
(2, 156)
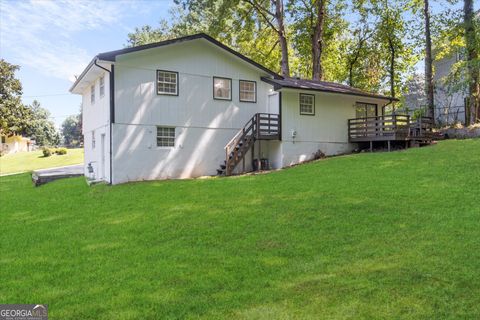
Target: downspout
(112, 109)
(383, 108)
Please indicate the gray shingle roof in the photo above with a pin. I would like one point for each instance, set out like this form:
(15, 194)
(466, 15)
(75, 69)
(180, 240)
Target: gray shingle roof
(322, 86)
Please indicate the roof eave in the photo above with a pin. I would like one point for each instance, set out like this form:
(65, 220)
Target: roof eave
(84, 72)
(278, 86)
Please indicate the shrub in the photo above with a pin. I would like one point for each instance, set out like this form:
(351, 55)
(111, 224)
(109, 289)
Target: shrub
(47, 152)
(61, 151)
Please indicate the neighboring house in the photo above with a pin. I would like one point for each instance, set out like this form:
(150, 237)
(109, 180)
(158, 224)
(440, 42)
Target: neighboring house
(415, 99)
(449, 104)
(13, 144)
(182, 108)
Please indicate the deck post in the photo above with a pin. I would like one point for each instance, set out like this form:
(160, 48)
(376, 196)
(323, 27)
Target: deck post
(259, 155)
(371, 146)
(388, 143)
(243, 155)
(253, 152)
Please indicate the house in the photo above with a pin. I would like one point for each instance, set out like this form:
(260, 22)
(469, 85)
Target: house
(191, 107)
(451, 100)
(15, 143)
(450, 103)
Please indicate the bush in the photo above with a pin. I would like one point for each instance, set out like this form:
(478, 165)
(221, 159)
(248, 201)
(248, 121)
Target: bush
(47, 152)
(61, 151)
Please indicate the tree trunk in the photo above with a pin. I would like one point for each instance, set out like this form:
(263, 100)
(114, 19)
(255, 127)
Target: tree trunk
(471, 113)
(317, 40)
(428, 64)
(350, 75)
(279, 15)
(392, 68)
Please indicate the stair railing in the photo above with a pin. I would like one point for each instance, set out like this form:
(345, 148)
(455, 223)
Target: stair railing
(260, 126)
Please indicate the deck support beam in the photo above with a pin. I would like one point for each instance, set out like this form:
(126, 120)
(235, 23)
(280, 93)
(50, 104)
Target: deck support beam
(388, 143)
(371, 146)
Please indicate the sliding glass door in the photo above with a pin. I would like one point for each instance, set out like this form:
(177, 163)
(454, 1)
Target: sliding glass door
(365, 110)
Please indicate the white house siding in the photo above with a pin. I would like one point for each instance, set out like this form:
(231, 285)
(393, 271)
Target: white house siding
(96, 119)
(203, 125)
(326, 131)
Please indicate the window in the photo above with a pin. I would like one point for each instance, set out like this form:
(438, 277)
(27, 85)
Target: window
(102, 86)
(167, 82)
(248, 91)
(222, 88)
(93, 139)
(4, 139)
(165, 137)
(307, 104)
(365, 110)
(92, 94)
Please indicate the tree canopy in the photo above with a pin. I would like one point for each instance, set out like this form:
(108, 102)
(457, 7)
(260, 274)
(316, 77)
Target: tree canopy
(15, 117)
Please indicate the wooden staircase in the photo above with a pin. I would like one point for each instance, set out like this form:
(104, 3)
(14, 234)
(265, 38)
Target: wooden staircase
(262, 126)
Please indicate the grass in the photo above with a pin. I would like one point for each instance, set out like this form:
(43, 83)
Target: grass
(28, 161)
(383, 235)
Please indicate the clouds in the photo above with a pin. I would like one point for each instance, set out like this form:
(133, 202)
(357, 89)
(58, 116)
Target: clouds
(42, 33)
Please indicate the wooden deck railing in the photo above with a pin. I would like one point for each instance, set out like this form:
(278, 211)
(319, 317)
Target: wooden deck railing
(389, 128)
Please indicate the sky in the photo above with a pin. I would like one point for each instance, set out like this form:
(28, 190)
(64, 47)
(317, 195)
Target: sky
(54, 40)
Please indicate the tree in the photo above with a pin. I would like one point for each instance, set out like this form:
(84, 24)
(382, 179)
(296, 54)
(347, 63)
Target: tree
(473, 109)
(428, 63)
(41, 128)
(359, 51)
(14, 116)
(317, 40)
(309, 25)
(318, 29)
(72, 130)
(273, 13)
(394, 38)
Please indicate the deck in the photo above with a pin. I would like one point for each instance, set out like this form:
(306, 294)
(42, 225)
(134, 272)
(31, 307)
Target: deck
(390, 128)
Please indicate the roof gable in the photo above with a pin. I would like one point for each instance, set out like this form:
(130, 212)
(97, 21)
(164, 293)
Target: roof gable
(112, 55)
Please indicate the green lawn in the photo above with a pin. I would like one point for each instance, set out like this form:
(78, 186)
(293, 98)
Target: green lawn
(383, 235)
(28, 161)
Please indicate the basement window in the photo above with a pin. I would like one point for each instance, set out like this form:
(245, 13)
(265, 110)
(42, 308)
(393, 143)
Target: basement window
(167, 82)
(92, 94)
(222, 88)
(248, 91)
(165, 137)
(102, 86)
(307, 104)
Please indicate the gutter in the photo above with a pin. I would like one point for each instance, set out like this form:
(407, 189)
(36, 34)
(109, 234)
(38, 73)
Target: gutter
(390, 102)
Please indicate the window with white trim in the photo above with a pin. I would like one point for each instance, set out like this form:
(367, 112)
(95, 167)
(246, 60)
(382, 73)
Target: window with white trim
(165, 137)
(307, 104)
(102, 86)
(93, 139)
(222, 88)
(248, 91)
(92, 94)
(167, 82)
